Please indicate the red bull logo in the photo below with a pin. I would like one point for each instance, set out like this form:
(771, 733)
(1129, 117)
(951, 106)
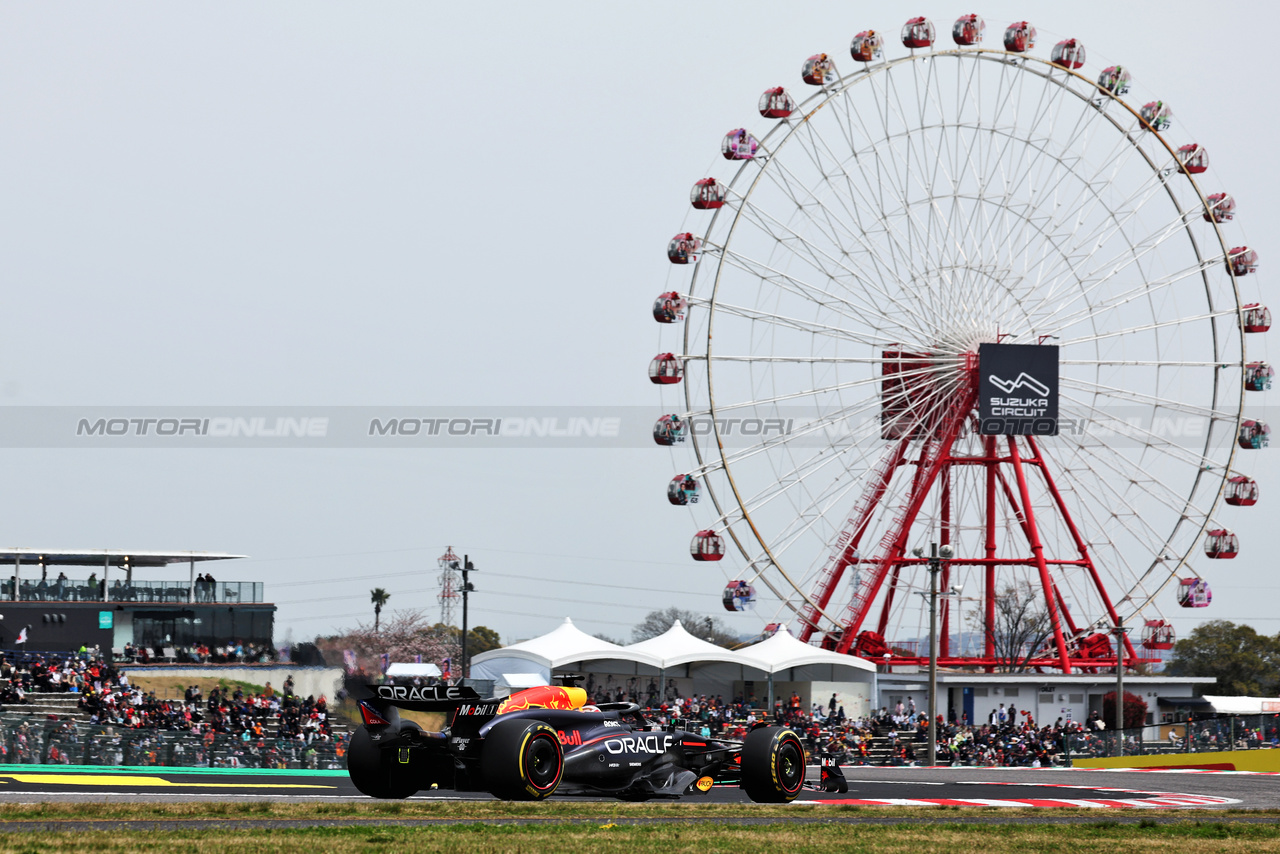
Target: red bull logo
(571, 737)
(545, 697)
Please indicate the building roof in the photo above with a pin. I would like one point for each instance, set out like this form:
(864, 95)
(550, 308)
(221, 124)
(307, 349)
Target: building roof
(112, 557)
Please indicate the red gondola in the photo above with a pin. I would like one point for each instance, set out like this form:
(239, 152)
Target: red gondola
(1194, 593)
(968, 30)
(739, 145)
(1220, 207)
(776, 103)
(683, 490)
(771, 630)
(867, 45)
(1157, 115)
(1157, 634)
(684, 248)
(1254, 435)
(666, 369)
(818, 70)
(1255, 317)
(670, 429)
(1241, 491)
(1115, 79)
(707, 545)
(1068, 53)
(1020, 37)
(739, 596)
(669, 307)
(708, 194)
(1221, 544)
(1242, 261)
(1258, 376)
(918, 32)
(1194, 158)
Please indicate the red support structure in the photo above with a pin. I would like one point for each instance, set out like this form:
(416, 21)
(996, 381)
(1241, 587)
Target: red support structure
(926, 447)
(989, 645)
(847, 543)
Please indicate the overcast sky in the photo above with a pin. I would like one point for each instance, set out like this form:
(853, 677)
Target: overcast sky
(421, 203)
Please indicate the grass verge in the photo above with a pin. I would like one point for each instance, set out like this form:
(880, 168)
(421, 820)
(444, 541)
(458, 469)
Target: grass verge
(612, 837)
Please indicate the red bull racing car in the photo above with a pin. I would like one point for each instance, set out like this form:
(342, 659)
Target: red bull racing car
(549, 740)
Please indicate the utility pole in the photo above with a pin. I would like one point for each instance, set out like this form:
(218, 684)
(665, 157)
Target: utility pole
(936, 557)
(1120, 633)
(467, 587)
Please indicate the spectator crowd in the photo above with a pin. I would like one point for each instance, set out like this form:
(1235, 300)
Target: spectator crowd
(130, 726)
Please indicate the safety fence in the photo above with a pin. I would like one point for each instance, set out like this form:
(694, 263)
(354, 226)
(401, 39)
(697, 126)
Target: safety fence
(1205, 734)
(26, 740)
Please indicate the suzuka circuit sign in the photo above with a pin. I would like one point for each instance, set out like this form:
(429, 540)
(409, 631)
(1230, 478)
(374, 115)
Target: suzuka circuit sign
(1018, 390)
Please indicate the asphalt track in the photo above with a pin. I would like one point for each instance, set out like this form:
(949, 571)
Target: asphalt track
(958, 787)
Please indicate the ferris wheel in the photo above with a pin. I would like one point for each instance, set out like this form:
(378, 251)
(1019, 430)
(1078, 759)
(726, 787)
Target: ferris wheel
(967, 296)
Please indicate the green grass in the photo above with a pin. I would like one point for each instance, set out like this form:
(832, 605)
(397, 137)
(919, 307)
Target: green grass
(614, 836)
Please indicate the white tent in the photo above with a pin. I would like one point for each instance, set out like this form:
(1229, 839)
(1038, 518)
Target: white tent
(411, 671)
(782, 651)
(1243, 705)
(564, 645)
(676, 646)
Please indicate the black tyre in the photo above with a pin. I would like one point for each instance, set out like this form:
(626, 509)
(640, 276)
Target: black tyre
(772, 765)
(378, 772)
(522, 760)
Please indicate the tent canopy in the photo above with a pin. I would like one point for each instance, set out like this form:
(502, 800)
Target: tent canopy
(567, 645)
(782, 651)
(564, 645)
(410, 671)
(676, 646)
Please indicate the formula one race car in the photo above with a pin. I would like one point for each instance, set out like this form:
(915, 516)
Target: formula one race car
(545, 740)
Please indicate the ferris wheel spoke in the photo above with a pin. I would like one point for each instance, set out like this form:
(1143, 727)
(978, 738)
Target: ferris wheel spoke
(819, 329)
(1149, 438)
(1076, 268)
(1148, 327)
(1145, 289)
(1086, 205)
(856, 230)
(1009, 172)
(1145, 399)
(818, 296)
(920, 234)
(1090, 287)
(822, 261)
(1153, 541)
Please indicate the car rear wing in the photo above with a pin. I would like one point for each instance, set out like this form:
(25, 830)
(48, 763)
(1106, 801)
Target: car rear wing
(425, 698)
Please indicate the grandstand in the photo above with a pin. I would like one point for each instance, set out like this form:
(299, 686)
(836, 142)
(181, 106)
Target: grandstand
(65, 600)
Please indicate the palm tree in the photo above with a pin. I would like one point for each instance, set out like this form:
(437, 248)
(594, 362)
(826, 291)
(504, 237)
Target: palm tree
(379, 598)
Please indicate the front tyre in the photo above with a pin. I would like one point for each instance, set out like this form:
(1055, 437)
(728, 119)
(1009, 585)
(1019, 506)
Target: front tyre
(773, 765)
(377, 772)
(522, 760)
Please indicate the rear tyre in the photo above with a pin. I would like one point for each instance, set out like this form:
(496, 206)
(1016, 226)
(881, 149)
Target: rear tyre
(522, 760)
(378, 772)
(773, 765)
